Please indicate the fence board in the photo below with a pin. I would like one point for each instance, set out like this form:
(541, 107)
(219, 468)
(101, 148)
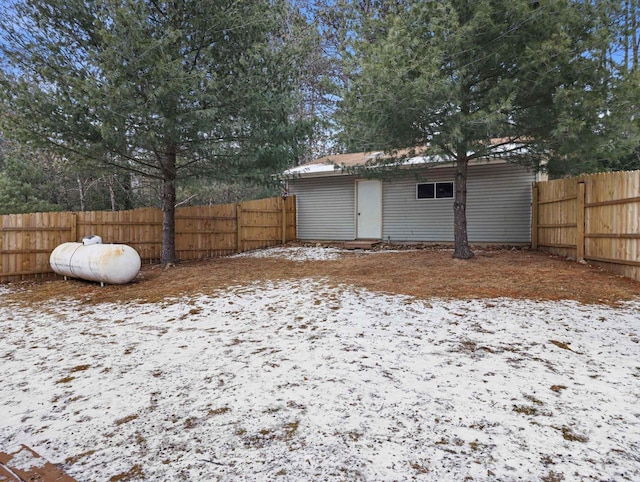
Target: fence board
(26, 240)
(599, 221)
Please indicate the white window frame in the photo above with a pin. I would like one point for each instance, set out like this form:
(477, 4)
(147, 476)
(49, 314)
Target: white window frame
(435, 190)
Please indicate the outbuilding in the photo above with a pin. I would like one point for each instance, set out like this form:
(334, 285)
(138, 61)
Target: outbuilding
(349, 197)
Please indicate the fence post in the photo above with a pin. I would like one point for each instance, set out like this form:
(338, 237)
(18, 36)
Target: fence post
(534, 216)
(284, 220)
(74, 227)
(580, 222)
(1, 248)
(239, 228)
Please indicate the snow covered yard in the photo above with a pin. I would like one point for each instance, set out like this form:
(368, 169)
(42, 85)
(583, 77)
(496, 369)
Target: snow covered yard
(309, 380)
(308, 253)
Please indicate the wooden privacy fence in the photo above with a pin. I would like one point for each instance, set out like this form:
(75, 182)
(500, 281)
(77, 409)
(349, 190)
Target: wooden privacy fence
(592, 217)
(26, 240)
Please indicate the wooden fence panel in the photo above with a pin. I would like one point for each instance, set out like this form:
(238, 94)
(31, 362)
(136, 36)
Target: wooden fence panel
(205, 231)
(139, 228)
(557, 216)
(594, 217)
(26, 240)
(261, 223)
(612, 221)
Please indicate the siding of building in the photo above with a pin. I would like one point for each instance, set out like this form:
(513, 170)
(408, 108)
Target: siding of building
(498, 206)
(405, 218)
(325, 208)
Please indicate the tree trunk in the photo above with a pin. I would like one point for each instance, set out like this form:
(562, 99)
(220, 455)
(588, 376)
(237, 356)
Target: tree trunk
(80, 192)
(461, 248)
(169, 208)
(627, 13)
(112, 194)
(128, 189)
(635, 7)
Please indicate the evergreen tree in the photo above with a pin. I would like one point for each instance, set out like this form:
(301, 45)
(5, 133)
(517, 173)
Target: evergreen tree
(163, 89)
(38, 180)
(28, 182)
(456, 75)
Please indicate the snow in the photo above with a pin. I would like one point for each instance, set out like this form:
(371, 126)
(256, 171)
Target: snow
(313, 169)
(5, 290)
(307, 253)
(23, 459)
(295, 253)
(303, 380)
(330, 168)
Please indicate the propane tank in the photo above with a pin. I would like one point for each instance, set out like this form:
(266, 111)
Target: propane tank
(106, 263)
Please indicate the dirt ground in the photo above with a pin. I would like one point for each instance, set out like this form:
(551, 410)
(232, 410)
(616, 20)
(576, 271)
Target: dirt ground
(424, 273)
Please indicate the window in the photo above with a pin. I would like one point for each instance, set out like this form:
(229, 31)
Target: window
(434, 190)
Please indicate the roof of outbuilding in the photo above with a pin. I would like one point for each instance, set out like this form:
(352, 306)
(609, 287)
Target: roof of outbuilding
(339, 164)
(368, 157)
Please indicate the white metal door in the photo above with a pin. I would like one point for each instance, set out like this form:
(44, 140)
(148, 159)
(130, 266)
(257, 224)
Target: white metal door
(369, 209)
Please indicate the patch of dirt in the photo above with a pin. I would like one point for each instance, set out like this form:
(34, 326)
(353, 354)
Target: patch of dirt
(134, 473)
(423, 273)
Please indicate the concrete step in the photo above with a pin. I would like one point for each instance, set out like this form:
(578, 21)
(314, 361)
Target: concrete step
(361, 244)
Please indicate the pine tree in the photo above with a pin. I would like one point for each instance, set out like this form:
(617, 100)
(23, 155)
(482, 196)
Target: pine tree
(457, 75)
(163, 89)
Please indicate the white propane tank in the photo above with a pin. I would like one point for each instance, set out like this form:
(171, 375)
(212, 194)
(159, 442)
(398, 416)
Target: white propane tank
(106, 263)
